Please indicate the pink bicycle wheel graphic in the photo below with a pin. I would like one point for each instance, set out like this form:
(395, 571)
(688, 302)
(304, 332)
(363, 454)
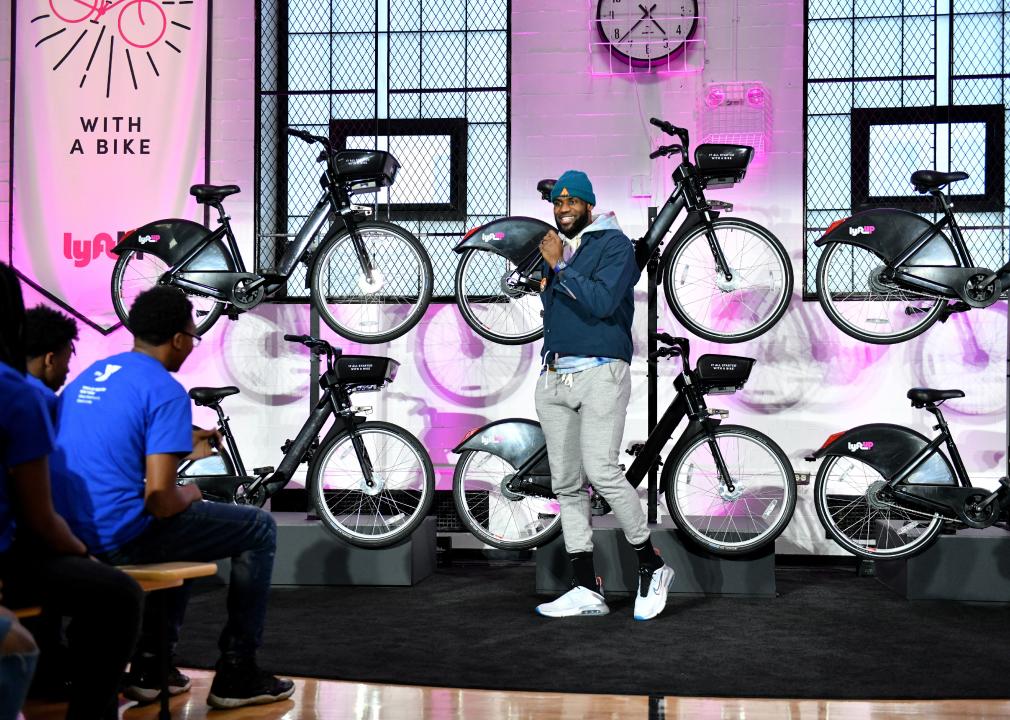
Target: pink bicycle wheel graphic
(142, 23)
(73, 11)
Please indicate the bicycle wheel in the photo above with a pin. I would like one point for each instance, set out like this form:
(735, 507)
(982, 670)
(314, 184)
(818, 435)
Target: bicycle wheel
(391, 303)
(862, 306)
(728, 311)
(849, 508)
(72, 11)
(724, 522)
(142, 23)
(390, 509)
(495, 310)
(136, 271)
(501, 519)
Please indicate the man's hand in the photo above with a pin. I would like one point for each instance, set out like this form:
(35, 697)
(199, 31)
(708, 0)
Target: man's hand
(552, 248)
(204, 442)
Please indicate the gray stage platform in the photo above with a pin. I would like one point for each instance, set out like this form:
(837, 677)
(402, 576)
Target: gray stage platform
(698, 572)
(307, 554)
(972, 565)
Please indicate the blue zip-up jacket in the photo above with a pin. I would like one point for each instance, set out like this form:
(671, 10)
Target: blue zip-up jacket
(589, 305)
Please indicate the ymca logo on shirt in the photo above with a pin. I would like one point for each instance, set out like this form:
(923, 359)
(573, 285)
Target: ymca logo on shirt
(90, 394)
(107, 373)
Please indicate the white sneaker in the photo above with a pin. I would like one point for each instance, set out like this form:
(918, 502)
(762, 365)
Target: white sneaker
(650, 600)
(577, 601)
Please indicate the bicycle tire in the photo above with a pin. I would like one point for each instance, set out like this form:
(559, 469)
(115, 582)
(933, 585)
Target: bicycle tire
(843, 515)
(500, 526)
(864, 296)
(341, 503)
(206, 310)
(689, 266)
(336, 276)
(488, 266)
(735, 523)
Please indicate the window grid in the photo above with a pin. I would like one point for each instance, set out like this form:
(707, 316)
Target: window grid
(883, 53)
(338, 59)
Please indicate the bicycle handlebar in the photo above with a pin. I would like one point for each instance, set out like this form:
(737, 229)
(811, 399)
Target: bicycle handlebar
(317, 345)
(309, 137)
(665, 150)
(678, 132)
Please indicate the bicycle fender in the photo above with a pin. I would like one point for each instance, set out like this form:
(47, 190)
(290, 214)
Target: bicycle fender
(168, 239)
(886, 232)
(511, 237)
(512, 439)
(886, 448)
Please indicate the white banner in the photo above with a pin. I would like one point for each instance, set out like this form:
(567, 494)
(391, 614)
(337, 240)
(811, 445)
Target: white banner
(109, 115)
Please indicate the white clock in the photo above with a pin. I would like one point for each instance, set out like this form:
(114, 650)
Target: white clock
(649, 33)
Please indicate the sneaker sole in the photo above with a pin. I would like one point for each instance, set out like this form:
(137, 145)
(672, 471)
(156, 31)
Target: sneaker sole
(575, 612)
(228, 703)
(149, 695)
(662, 605)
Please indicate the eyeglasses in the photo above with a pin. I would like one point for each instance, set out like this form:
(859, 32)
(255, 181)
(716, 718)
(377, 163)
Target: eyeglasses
(196, 338)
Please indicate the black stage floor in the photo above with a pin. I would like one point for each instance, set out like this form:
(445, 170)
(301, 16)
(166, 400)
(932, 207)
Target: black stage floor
(829, 634)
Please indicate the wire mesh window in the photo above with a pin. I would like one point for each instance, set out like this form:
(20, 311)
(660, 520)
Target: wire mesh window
(400, 75)
(915, 55)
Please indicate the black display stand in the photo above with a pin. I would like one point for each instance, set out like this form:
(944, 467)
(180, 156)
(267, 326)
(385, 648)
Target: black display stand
(697, 572)
(652, 273)
(308, 554)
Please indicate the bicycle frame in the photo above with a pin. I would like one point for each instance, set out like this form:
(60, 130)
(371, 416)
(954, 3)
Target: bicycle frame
(689, 402)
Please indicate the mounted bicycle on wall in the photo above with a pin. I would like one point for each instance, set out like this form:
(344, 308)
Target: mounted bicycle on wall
(370, 281)
(725, 279)
(886, 275)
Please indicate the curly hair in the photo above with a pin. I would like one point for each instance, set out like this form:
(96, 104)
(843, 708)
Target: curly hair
(47, 331)
(12, 320)
(159, 313)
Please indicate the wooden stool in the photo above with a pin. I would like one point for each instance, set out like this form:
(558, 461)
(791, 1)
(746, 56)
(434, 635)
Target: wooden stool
(162, 576)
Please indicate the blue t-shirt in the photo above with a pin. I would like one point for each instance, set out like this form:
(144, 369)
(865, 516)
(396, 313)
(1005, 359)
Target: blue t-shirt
(50, 399)
(112, 416)
(25, 435)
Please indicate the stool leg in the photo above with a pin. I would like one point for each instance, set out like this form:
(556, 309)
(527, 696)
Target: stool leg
(166, 663)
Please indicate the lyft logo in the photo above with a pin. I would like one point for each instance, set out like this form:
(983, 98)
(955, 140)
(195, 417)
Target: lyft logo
(862, 230)
(860, 446)
(82, 252)
(492, 236)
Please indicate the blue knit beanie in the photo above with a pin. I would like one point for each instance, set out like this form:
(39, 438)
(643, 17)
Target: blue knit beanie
(576, 184)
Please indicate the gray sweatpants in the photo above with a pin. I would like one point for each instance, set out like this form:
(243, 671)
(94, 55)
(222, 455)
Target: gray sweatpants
(583, 422)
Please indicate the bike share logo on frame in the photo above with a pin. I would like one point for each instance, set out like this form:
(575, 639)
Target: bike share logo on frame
(864, 445)
(862, 230)
(492, 236)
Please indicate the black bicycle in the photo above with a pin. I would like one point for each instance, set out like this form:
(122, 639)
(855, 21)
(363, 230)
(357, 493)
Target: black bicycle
(886, 491)
(725, 279)
(886, 275)
(371, 483)
(370, 281)
(730, 488)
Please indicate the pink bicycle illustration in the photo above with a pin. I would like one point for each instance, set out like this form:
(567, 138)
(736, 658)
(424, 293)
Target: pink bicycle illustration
(142, 23)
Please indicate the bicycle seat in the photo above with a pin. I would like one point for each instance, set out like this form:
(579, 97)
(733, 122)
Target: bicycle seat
(544, 187)
(211, 396)
(212, 193)
(926, 180)
(924, 396)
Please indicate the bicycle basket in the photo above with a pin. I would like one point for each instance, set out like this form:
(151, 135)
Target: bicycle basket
(722, 165)
(722, 374)
(364, 372)
(366, 171)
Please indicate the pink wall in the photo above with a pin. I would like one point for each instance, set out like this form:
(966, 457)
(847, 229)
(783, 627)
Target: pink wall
(810, 379)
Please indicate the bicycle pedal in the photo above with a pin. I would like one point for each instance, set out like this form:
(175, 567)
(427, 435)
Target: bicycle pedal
(1005, 482)
(261, 471)
(272, 276)
(635, 447)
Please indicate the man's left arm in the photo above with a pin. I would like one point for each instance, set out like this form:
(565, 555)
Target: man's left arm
(169, 437)
(601, 292)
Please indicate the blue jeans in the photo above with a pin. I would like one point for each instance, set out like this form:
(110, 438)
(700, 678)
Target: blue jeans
(206, 532)
(16, 672)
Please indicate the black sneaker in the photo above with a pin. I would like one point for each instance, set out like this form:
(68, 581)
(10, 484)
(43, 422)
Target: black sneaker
(243, 683)
(143, 682)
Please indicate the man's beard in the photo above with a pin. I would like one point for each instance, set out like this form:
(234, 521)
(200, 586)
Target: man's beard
(580, 224)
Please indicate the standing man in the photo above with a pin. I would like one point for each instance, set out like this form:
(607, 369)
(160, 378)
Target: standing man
(582, 396)
(124, 424)
(49, 344)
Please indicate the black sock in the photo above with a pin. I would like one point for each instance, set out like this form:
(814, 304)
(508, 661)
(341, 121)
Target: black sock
(647, 556)
(583, 572)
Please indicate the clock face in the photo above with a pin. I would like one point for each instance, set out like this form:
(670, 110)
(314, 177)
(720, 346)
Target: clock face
(645, 34)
